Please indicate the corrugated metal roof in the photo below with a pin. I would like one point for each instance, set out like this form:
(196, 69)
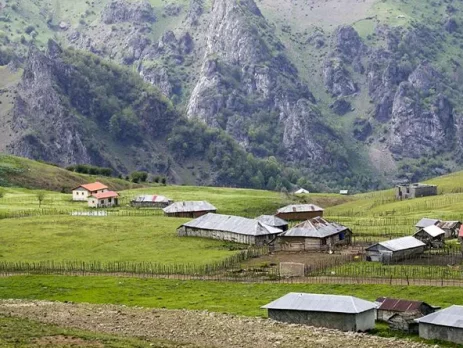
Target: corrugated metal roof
(189, 206)
(106, 194)
(398, 305)
(301, 190)
(94, 186)
(321, 303)
(235, 224)
(451, 317)
(272, 220)
(400, 244)
(297, 208)
(151, 198)
(448, 224)
(317, 227)
(434, 231)
(425, 222)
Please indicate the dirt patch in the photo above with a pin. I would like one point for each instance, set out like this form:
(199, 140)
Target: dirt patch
(66, 341)
(200, 328)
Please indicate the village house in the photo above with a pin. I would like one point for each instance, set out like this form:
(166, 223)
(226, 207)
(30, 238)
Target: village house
(346, 313)
(151, 201)
(82, 192)
(425, 222)
(432, 236)
(395, 249)
(104, 199)
(230, 228)
(401, 314)
(445, 325)
(451, 228)
(344, 192)
(414, 191)
(316, 234)
(274, 221)
(299, 212)
(189, 209)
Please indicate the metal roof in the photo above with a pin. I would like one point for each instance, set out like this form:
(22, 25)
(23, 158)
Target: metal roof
(451, 316)
(106, 194)
(425, 222)
(400, 244)
(317, 227)
(151, 199)
(189, 206)
(321, 303)
(272, 220)
(234, 224)
(301, 190)
(433, 231)
(398, 305)
(94, 186)
(297, 208)
(448, 224)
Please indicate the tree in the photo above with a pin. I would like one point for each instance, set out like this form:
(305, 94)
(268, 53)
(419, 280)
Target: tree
(40, 198)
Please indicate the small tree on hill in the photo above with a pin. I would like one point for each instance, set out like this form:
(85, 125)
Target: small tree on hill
(40, 198)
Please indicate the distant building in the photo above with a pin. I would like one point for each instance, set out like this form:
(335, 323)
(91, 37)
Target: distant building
(451, 228)
(82, 192)
(230, 228)
(425, 222)
(395, 249)
(445, 325)
(274, 221)
(344, 192)
(299, 212)
(151, 201)
(415, 191)
(189, 209)
(104, 199)
(432, 236)
(301, 191)
(346, 313)
(316, 234)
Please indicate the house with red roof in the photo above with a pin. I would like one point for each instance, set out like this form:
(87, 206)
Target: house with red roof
(104, 199)
(82, 192)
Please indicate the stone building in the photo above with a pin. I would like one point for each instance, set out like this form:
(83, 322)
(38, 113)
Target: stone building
(415, 191)
(445, 325)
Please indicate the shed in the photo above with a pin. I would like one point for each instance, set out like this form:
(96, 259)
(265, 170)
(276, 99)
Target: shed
(151, 201)
(301, 191)
(446, 325)
(104, 199)
(404, 322)
(190, 209)
(395, 249)
(346, 313)
(451, 228)
(432, 236)
(231, 228)
(316, 234)
(387, 307)
(425, 222)
(299, 212)
(82, 192)
(274, 221)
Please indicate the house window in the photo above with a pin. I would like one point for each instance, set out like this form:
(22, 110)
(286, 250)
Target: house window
(109, 200)
(323, 241)
(341, 236)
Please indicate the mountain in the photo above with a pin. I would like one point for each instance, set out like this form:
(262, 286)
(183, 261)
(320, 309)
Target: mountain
(353, 94)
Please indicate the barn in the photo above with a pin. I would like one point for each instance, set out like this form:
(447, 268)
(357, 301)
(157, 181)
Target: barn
(451, 228)
(104, 199)
(230, 228)
(299, 212)
(189, 209)
(316, 234)
(151, 201)
(445, 325)
(432, 236)
(82, 192)
(274, 221)
(425, 222)
(346, 313)
(395, 249)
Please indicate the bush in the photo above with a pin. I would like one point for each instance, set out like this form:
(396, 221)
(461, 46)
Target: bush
(138, 176)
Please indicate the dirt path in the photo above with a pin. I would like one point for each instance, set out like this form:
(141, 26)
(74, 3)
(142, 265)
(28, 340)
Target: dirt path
(200, 328)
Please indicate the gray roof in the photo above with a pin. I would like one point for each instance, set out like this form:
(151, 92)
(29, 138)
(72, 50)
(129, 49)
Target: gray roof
(234, 224)
(293, 208)
(425, 222)
(400, 244)
(448, 224)
(451, 316)
(272, 220)
(321, 303)
(189, 206)
(301, 190)
(315, 228)
(151, 199)
(434, 231)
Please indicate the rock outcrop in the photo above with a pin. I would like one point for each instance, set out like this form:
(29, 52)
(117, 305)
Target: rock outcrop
(118, 11)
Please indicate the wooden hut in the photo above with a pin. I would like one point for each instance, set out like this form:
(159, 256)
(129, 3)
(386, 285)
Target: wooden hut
(395, 249)
(189, 209)
(432, 236)
(451, 228)
(316, 234)
(151, 201)
(425, 222)
(230, 228)
(299, 212)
